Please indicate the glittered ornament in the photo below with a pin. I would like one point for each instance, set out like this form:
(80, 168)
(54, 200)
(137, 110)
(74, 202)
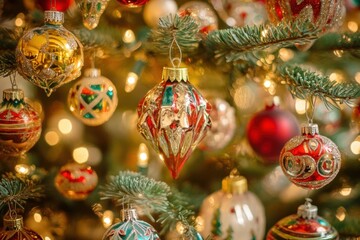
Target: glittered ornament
(203, 14)
(58, 5)
(49, 56)
(324, 14)
(76, 181)
(223, 125)
(174, 118)
(240, 13)
(133, 3)
(232, 213)
(310, 160)
(20, 124)
(93, 99)
(156, 9)
(13, 229)
(130, 228)
(306, 224)
(268, 131)
(91, 11)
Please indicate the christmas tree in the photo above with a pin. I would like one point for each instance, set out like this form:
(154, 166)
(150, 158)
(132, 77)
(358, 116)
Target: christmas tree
(128, 114)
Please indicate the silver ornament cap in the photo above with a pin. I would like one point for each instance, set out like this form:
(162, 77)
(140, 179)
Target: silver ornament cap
(54, 17)
(128, 214)
(92, 72)
(310, 129)
(13, 94)
(307, 210)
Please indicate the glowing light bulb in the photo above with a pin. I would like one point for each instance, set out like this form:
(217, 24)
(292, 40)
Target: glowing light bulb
(52, 138)
(22, 169)
(108, 218)
(65, 126)
(353, 26)
(345, 191)
(131, 82)
(129, 36)
(81, 154)
(37, 217)
(143, 155)
(300, 106)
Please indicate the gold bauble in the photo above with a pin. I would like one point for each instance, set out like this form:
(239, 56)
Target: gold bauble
(49, 56)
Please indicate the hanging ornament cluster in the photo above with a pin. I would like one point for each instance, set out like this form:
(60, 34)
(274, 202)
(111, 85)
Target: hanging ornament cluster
(233, 212)
(20, 124)
(13, 229)
(310, 160)
(306, 224)
(76, 181)
(58, 5)
(240, 13)
(174, 118)
(203, 14)
(49, 56)
(91, 11)
(157, 9)
(133, 3)
(130, 228)
(223, 125)
(268, 131)
(93, 99)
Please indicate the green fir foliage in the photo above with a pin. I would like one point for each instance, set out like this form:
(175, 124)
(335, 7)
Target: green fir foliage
(304, 84)
(235, 44)
(154, 197)
(15, 191)
(184, 29)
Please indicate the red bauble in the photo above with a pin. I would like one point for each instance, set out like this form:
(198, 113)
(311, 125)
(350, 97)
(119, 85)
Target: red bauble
(310, 160)
(20, 124)
(133, 3)
(356, 116)
(269, 130)
(59, 5)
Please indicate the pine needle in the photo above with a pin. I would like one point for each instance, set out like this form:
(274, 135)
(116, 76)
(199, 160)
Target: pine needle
(16, 191)
(184, 29)
(303, 84)
(243, 43)
(151, 196)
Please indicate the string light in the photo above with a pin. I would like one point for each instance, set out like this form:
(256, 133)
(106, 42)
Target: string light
(341, 214)
(108, 218)
(129, 36)
(131, 82)
(353, 26)
(180, 228)
(300, 106)
(22, 169)
(81, 154)
(355, 146)
(143, 155)
(345, 191)
(65, 126)
(37, 217)
(52, 138)
(286, 54)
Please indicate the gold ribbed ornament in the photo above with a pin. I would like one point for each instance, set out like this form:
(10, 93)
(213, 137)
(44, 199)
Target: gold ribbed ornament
(49, 56)
(14, 230)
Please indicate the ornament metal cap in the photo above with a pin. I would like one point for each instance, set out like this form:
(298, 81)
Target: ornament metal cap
(54, 17)
(307, 210)
(13, 94)
(234, 184)
(175, 74)
(128, 214)
(311, 128)
(92, 72)
(13, 223)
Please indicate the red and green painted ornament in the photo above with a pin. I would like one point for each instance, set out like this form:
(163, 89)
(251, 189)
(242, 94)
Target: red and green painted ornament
(306, 224)
(76, 181)
(131, 228)
(174, 118)
(20, 124)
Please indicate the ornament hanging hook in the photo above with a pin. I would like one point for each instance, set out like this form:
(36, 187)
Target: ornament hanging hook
(310, 108)
(13, 82)
(173, 60)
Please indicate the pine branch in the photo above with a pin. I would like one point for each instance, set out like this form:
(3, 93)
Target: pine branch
(339, 41)
(303, 84)
(243, 43)
(15, 191)
(184, 29)
(150, 195)
(8, 63)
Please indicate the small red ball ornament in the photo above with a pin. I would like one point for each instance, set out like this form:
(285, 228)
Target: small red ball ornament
(133, 3)
(269, 130)
(76, 181)
(310, 160)
(58, 5)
